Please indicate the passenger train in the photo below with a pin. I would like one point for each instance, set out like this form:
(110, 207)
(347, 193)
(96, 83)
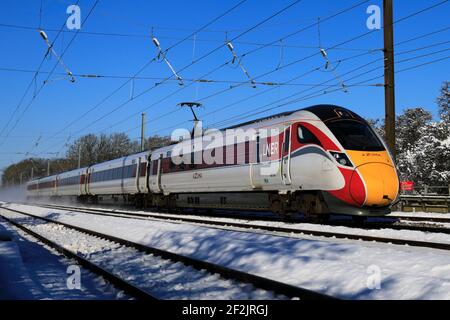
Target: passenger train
(319, 160)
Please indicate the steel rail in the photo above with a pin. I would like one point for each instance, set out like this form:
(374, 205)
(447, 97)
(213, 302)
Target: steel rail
(422, 219)
(380, 225)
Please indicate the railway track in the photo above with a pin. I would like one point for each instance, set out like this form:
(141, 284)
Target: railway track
(274, 229)
(422, 219)
(257, 282)
(396, 226)
(118, 282)
(387, 223)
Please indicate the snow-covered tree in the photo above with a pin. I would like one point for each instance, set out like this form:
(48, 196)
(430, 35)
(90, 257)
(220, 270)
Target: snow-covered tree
(409, 128)
(423, 148)
(443, 102)
(432, 155)
(423, 145)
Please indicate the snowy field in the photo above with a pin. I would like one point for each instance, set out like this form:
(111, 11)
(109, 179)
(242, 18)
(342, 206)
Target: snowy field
(343, 268)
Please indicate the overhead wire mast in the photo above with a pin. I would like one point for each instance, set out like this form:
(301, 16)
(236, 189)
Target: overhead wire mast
(162, 54)
(235, 59)
(328, 65)
(58, 58)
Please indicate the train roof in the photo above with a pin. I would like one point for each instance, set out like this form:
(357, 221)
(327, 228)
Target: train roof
(72, 172)
(121, 159)
(324, 112)
(327, 112)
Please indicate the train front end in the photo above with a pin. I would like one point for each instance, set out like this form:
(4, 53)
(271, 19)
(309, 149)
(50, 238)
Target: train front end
(363, 159)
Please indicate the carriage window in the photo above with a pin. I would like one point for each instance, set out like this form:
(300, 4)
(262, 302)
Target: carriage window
(305, 136)
(355, 135)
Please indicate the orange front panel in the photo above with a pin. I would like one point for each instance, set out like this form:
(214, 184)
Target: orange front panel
(379, 176)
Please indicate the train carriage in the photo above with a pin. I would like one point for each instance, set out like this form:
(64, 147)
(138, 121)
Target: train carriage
(119, 177)
(32, 189)
(72, 183)
(47, 187)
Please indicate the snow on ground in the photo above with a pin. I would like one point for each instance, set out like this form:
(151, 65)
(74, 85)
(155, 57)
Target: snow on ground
(162, 278)
(14, 282)
(344, 268)
(30, 271)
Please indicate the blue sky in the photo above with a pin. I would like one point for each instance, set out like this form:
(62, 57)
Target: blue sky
(44, 127)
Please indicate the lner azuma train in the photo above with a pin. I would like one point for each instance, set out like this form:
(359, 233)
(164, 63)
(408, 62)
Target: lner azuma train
(318, 160)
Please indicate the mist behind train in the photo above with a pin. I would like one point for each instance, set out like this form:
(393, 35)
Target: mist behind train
(16, 193)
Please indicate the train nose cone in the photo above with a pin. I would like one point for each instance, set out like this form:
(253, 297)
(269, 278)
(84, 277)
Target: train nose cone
(381, 184)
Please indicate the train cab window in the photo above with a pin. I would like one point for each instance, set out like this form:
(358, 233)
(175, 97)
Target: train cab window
(305, 136)
(343, 113)
(355, 135)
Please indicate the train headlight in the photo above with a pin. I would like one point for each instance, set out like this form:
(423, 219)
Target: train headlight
(341, 158)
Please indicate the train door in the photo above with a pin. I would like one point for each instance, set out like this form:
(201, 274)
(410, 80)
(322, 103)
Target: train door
(55, 189)
(138, 174)
(141, 179)
(124, 175)
(82, 187)
(149, 172)
(286, 157)
(159, 172)
(88, 180)
(255, 169)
